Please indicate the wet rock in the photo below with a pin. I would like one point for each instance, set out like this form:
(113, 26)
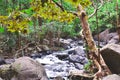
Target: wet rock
(79, 50)
(59, 69)
(69, 40)
(76, 58)
(9, 61)
(36, 55)
(2, 61)
(76, 50)
(80, 42)
(49, 59)
(28, 69)
(64, 42)
(62, 55)
(44, 61)
(78, 66)
(111, 55)
(112, 77)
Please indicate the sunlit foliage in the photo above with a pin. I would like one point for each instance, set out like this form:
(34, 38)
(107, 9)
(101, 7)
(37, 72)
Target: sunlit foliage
(84, 3)
(15, 22)
(50, 11)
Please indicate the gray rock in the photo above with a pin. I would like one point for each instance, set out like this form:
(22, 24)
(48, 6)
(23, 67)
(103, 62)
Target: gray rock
(112, 77)
(2, 61)
(103, 36)
(75, 58)
(114, 39)
(111, 55)
(9, 61)
(79, 50)
(28, 69)
(107, 37)
(79, 66)
(80, 42)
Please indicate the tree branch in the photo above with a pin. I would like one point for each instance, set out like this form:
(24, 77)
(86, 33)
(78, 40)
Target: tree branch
(59, 5)
(96, 8)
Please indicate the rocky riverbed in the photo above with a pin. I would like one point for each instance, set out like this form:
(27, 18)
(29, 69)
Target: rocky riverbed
(73, 57)
(61, 62)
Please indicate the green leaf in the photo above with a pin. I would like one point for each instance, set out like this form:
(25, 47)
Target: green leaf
(1, 29)
(30, 23)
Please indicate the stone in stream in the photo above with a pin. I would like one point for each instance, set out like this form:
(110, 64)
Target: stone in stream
(2, 61)
(28, 69)
(79, 66)
(9, 61)
(111, 55)
(76, 58)
(79, 50)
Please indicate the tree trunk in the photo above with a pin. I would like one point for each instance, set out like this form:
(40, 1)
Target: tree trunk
(117, 19)
(93, 50)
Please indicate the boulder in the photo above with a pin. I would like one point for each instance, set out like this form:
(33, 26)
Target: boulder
(28, 69)
(102, 36)
(107, 37)
(111, 55)
(112, 77)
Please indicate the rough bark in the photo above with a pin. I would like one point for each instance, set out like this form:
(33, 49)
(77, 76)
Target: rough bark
(93, 50)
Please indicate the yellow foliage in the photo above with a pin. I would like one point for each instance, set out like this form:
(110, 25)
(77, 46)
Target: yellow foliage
(50, 11)
(15, 22)
(84, 3)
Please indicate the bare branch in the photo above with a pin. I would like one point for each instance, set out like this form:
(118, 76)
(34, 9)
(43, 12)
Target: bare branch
(59, 5)
(96, 8)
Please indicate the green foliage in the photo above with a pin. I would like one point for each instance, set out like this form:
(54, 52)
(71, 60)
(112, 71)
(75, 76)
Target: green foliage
(1, 29)
(68, 30)
(88, 65)
(7, 6)
(28, 11)
(106, 16)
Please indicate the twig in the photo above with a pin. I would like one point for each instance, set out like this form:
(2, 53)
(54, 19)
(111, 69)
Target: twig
(17, 52)
(96, 8)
